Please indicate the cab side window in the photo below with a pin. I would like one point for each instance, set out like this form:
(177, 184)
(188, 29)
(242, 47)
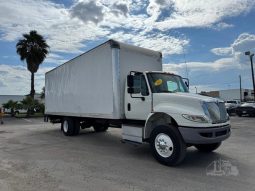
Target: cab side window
(140, 85)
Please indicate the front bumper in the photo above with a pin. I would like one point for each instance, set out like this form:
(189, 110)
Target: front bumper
(205, 135)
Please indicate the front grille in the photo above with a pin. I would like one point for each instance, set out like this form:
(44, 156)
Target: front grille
(217, 112)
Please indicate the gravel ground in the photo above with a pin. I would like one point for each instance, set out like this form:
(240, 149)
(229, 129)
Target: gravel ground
(36, 156)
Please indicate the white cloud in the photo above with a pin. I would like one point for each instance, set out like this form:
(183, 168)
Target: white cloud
(87, 11)
(221, 25)
(225, 51)
(196, 13)
(55, 58)
(234, 60)
(220, 64)
(16, 79)
(244, 42)
(63, 33)
(235, 57)
(120, 8)
(158, 42)
(68, 29)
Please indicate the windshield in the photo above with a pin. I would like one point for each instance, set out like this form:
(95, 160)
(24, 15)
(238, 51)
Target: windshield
(166, 83)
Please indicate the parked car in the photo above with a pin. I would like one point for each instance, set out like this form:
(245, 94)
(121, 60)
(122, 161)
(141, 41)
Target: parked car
(246, 109)
(231, 106)
(15, 111)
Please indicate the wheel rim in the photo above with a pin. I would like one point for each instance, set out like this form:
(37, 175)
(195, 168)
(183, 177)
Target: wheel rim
(65, 126)
(164, 145)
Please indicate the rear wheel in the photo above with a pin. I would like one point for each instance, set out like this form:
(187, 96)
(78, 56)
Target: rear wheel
(67, 126)
(70, 126)
(208, 147)
(167, 145)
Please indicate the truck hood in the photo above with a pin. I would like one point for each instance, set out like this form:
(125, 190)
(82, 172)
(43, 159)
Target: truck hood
(187, 96)
(178, 102)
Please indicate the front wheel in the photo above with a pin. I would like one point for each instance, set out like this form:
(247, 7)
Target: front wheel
(208, 147)
(167, 145)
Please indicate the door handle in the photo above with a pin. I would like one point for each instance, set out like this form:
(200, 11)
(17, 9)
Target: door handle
(129, 107)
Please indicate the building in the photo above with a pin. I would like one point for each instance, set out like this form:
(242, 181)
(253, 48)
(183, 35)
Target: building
(231, 94)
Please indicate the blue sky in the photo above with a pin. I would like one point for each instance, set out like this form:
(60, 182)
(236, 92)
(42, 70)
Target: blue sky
(204, 40)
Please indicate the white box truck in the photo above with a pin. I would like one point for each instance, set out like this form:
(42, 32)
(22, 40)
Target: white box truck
(119, 85)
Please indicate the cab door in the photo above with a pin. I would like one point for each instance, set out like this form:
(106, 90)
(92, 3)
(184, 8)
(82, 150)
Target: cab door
(138, 105)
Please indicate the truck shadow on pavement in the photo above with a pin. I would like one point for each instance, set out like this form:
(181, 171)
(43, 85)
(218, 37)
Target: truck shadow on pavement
(197, 158)
(112, 139)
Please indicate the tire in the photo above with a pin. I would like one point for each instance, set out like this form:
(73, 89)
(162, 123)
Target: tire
(100, 127)
(68, 126)
(170, 138)
(208, 147)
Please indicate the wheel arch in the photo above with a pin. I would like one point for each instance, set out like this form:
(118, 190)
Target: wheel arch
(156, 119)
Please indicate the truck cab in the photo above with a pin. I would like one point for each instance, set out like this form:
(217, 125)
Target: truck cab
(173, 117)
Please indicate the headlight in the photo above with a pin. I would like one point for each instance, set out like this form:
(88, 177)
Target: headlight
(215, 112)
(195, 118)
(205, 108)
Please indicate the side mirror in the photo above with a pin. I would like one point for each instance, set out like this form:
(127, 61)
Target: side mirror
(130, 81)
(187, 84)
(186, 81)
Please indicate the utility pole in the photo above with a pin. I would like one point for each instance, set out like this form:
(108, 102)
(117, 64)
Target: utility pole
(240, 81)
(248, 53)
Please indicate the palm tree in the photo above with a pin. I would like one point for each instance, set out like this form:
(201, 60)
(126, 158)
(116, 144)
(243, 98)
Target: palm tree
(32, 48)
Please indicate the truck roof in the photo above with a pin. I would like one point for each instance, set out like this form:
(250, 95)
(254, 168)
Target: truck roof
(115, 44)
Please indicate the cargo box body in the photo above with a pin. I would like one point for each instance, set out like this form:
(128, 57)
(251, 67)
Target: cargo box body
(93, 84)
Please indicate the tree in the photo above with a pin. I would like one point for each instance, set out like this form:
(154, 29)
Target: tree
(12, 105)
(29, 104)
(32, 48)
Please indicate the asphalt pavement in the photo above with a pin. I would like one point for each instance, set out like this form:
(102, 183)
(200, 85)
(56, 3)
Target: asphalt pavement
(37, 156)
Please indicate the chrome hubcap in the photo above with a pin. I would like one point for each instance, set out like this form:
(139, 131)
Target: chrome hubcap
(65, 126)
(164, 145)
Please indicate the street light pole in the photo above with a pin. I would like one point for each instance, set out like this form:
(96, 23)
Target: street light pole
(248, 53)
